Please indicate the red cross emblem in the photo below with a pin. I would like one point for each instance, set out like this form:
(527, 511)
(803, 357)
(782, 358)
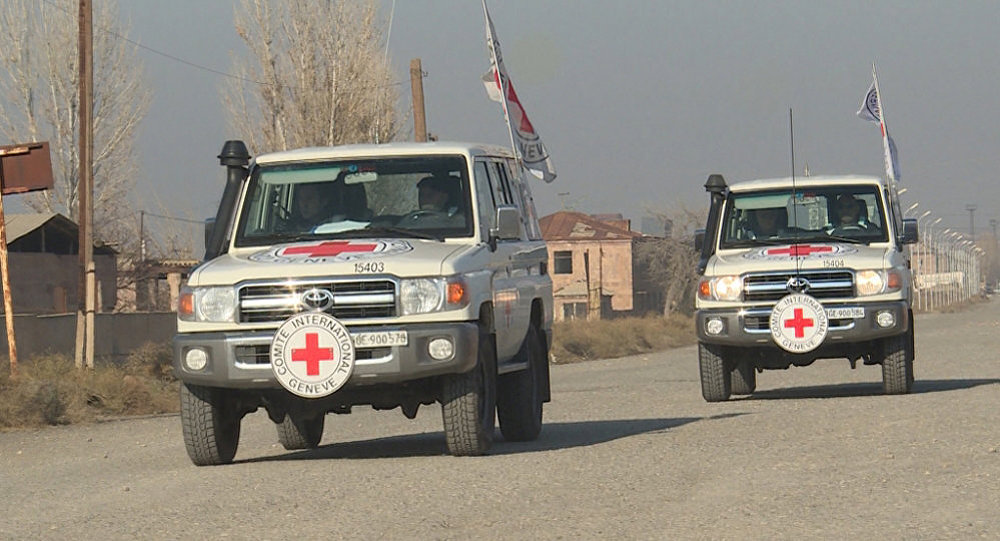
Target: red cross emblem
(799, 323)
(312, 354)
(800, 250)
(329, 248)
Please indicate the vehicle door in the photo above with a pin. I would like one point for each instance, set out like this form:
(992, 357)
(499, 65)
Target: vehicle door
(494, 188)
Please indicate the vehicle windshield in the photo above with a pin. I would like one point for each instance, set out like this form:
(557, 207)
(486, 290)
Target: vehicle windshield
(843, 213)
(413, 197)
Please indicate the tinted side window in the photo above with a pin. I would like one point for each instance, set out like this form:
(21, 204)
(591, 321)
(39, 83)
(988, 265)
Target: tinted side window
(486, 198)
(502, 185)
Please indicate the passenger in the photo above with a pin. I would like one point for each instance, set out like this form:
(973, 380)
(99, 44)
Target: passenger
(314, 205)
(767, 222)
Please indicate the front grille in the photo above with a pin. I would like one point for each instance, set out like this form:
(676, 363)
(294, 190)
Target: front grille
(758, 321)
(261, 354)
(351, 300)
(822, 285)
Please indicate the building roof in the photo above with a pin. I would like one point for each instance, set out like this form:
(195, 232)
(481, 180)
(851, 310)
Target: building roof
(566, 225)
(21, 225)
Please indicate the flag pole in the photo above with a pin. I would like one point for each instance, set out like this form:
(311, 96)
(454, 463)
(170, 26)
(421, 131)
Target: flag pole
(889, 167)
(491, 41)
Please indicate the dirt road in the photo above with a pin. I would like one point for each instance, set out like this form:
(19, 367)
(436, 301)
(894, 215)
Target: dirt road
(629, 450)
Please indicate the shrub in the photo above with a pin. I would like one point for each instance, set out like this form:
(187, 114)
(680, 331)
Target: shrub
(605, 339)
(50, 390)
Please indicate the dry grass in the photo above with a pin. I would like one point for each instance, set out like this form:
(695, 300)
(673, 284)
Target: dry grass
(49, 390)
(575, 341)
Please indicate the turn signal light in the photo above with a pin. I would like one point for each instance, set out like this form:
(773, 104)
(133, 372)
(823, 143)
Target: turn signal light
(185, 304)
(456, 292)
(705, 289)
(895, 281)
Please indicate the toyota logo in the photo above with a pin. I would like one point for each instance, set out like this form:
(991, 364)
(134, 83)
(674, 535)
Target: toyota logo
(798, 284)
(316, 299)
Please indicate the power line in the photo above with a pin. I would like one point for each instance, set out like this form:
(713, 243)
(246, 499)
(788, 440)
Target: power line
(174, 218)
(201, 67)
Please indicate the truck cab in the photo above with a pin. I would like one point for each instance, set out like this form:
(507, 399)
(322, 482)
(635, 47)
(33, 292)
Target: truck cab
(391, 275)
(796, 270)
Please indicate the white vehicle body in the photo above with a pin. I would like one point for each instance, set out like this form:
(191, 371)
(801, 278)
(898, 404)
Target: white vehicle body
(421, 293)
(858, 273)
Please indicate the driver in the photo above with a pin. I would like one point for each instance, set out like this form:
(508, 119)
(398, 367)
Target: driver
(432, 193)
(848, 212)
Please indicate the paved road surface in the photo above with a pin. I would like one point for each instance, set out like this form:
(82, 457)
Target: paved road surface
(629, 450)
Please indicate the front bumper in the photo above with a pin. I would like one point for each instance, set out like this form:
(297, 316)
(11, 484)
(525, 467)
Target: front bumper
(241, 359)
(748, 326)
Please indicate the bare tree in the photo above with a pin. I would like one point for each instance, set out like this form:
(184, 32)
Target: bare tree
(316, 75)
(39, 100)
(667, 265)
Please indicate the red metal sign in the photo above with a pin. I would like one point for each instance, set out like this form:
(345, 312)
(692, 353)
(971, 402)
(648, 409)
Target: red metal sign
(25, 168)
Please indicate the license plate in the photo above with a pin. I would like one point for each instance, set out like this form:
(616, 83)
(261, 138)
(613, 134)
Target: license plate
(379, 339)
(856, 312)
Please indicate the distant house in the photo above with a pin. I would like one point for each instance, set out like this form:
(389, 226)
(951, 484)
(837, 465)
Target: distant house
(45, 265)
(590, 261)
(158, 283)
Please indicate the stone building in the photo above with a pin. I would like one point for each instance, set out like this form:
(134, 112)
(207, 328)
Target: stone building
(45, 265)
(590, 261)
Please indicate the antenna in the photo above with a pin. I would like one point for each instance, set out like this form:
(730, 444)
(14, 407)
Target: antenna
(795, 213)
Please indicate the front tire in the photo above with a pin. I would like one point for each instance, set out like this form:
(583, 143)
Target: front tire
(468, 404)
(716, 378)
(210, 423)
(519, 397)
(897, 364)
(300, 433)
(744, 378)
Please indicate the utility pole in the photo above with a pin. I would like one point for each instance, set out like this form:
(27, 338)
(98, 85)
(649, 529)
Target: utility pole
(972, 224)
(417, 88)
(85, 185)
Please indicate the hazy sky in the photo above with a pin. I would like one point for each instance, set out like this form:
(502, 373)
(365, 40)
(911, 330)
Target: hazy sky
(638, 101)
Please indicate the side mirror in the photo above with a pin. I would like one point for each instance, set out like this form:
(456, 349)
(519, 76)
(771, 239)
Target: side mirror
(909, 235)
(508, 224)
(699, 239)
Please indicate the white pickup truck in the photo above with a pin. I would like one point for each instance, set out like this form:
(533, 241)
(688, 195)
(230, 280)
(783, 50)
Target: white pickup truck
(795, 270)
(387, 275)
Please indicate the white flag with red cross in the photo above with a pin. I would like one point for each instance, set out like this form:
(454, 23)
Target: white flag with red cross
(499, 87)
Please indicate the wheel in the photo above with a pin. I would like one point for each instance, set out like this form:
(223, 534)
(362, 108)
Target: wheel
(300, 433)
(716, 378)
(468, 404)
(744, 378)
(210, 423)
(897, 364)
(519, 394)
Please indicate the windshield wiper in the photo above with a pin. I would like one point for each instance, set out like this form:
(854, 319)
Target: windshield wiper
(848, 240)
(403, 232)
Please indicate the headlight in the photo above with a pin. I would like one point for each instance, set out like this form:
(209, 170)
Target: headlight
(728, 288)
(210, 304)
(869, 282)
(421, 295)
(873, 282)
(721, 288)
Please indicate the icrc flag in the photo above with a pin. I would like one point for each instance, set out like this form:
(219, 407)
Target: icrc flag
(871, 110)
(870, 106)
(500, 88)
